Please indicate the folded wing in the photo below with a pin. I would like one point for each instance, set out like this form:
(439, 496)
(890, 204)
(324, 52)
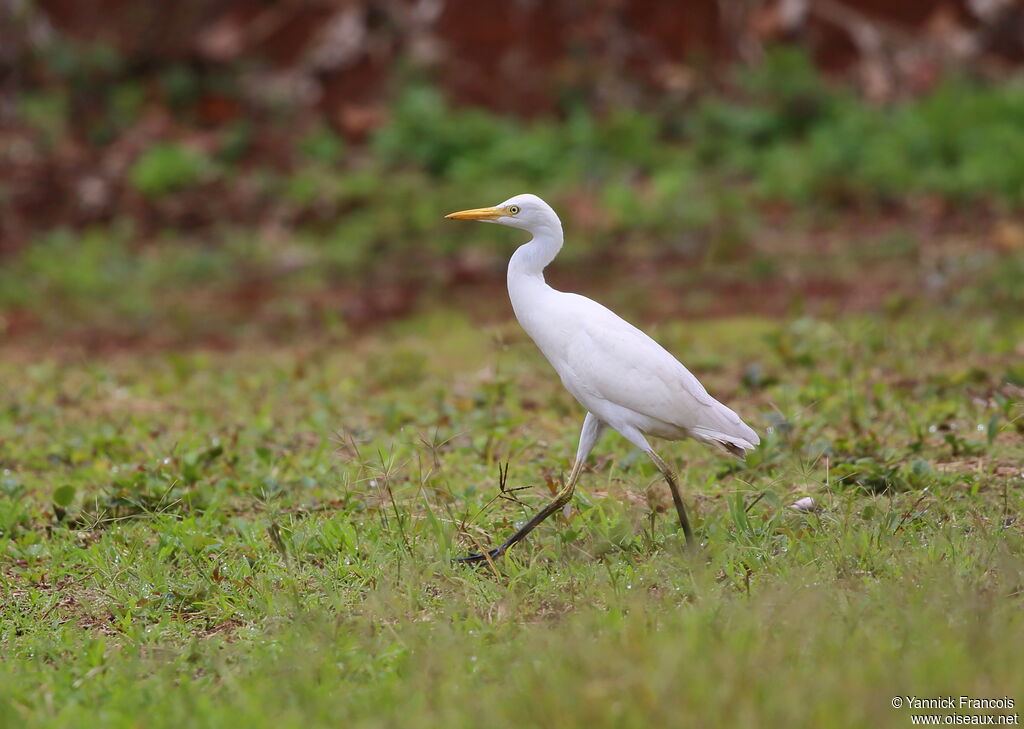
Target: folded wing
(615, 361)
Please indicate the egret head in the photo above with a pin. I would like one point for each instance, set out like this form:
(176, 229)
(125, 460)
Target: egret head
(526, 211)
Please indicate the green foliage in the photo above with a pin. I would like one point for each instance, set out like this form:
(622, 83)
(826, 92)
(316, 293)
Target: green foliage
(959, 141)
(699, 187)
(96, 276)
(236, 140)
(46, 113)
(181, 86)
(64, 495)
(471, 144)
(76, 61)
(322, 145)
(784, 99)
(168, 167)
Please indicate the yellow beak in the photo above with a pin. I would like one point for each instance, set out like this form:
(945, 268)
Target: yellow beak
(477, 214)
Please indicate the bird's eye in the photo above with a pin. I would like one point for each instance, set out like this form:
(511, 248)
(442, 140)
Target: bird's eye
(513, 209)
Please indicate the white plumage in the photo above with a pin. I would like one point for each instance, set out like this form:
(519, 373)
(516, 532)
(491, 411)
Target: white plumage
(621, 376)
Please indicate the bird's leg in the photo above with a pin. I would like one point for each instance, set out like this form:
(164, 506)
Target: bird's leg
(684, 521)
(592, 429)
(561, 499)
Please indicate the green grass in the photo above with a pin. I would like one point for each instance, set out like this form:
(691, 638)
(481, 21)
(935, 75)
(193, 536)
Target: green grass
(260, 533)
(262, 537)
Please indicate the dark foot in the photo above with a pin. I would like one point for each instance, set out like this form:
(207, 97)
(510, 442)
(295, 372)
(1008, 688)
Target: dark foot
(487, 556)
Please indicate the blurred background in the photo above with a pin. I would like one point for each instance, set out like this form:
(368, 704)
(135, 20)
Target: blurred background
(206, 172)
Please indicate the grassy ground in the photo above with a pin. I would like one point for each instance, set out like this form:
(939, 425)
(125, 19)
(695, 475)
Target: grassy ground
(237, 456)
(261, 537)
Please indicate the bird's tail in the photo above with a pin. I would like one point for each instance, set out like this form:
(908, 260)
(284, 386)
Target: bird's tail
(732, 443)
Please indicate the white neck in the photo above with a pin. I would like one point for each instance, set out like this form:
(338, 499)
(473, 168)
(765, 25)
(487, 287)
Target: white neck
(530, 295)
(531, 258)
(526, 286)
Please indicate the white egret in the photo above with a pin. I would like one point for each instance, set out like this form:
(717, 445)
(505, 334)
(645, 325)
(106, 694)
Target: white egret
(622, 377)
